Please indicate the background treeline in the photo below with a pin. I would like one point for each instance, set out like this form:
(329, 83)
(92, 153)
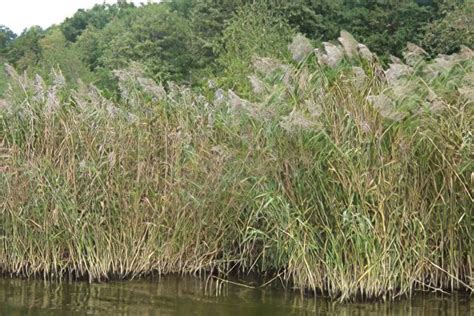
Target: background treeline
(190, 41)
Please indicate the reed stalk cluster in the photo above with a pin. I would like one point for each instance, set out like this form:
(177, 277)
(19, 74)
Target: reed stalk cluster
(333, 175)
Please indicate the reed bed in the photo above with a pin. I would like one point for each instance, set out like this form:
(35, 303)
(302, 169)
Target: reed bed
(334, 178)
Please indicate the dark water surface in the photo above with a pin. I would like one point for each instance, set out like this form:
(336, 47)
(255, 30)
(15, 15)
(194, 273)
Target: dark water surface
(191, 296)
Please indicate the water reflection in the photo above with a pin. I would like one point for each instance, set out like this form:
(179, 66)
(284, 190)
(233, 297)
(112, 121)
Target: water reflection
(191, 296)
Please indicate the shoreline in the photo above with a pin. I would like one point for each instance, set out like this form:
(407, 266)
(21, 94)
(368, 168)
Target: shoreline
(213, 285)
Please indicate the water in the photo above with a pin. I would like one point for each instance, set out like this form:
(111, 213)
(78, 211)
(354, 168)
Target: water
(190, 296)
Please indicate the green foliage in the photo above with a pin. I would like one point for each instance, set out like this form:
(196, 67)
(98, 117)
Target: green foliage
(190, 41)
(3, 78)
(6, 38)
(387, 28)
(153, 35)
(37, 52)
(208, 20)
(25, 51)
(97, 17)
(90, 47)
(254, 31)
(446, 36)
(319, 20)
(384, 26)
(58, 53)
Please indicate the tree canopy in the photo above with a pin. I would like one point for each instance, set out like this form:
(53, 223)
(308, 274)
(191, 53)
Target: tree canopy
(189, 40)
(6, 38)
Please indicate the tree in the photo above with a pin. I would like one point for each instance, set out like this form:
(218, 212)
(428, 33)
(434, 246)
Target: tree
(152, 35)
(384, 26)
(318, 20)
(208, 20)
(6, 38)
(387, 27)
(25, 51)
(98, 17)
(191, 40)
(253, 31)
(57, 52)
(445, 36)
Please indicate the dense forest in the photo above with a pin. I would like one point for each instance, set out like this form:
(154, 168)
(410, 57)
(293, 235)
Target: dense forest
(322, 144)
(190, 41)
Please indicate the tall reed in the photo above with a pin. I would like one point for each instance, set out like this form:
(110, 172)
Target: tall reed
(333, 179)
